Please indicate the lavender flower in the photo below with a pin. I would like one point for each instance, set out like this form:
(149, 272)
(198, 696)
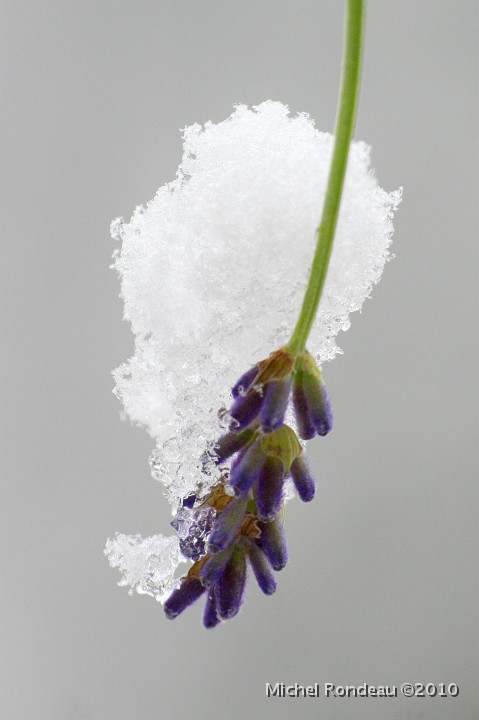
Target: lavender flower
(273, 408)
(262, 452)
(262, 569)
(223, 574)
(302, 478)
(247, 466)
(189, 591)
(244, 383)
(273, 543)
(227, 524)
(220, 533)
(214, 566)
(210, 616)
(310, 399)
(263, 466)
(265, 392)
(229, 589)
(246, 408)
(231, 443)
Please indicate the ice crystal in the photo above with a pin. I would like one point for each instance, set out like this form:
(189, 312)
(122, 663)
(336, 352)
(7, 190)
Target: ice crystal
(214, 268)
(148, 564)
(193, 527)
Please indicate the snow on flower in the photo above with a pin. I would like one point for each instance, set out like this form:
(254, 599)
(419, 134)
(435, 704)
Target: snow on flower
(213, 272)
(214, 268)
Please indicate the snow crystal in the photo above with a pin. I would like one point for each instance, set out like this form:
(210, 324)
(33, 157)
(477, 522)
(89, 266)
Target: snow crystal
(214, 268)
(148, 564)
(193, 527)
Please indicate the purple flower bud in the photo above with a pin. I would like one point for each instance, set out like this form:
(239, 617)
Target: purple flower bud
(247, 468)
(306, 428)
(302, 478)
(311, 404)
(190, 590)
(227, 524)
(213, 568)
(245, 409)
(269, 488)
(210, 614)
(261, 568)
(231, 584)
(245, 382)
(230, 443)
(319, 407)
(274, 405)
(273, 543)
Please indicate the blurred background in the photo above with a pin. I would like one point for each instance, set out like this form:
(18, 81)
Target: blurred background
(382, 585)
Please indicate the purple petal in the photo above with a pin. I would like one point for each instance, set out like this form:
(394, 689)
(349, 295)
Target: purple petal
(231, 584)
(210, 615)
(227, 524)
(273, 543)
(261, 568)
(311, 405)
(213, 568)
(318, 402)
(231, 443)
(275, 402)
(302, 478)
(190, 590)
(306, 428)
(247, 468)
(245, 409)
(245, 381)
(269, 488)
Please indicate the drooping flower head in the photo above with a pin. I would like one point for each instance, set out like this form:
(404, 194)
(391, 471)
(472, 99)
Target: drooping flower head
(212, 273)
(261, 451)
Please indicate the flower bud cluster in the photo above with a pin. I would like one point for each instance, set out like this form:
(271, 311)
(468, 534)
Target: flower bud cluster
(257, 454)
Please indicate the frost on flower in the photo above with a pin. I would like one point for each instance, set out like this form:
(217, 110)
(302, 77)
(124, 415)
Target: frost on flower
(147, 564)
(213, 272)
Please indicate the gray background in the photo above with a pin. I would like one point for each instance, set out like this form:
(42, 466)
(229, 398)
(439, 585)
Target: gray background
(382, 585)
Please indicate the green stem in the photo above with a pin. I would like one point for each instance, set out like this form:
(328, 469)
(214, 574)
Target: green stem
(348, 100)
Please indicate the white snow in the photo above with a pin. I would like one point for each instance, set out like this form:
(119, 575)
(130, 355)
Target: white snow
(147, 564)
